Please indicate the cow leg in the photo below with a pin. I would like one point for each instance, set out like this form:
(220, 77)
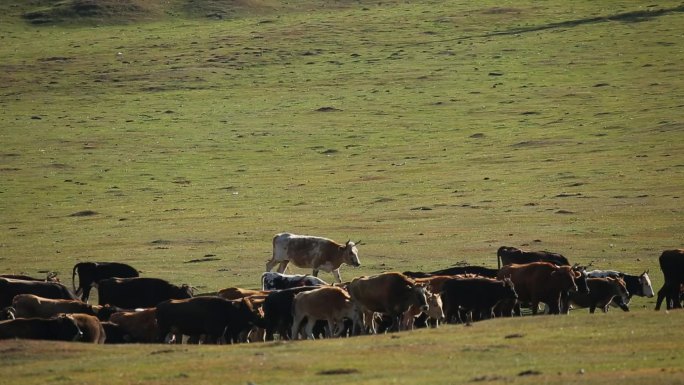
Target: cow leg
(270, 264)
(592, 308)
(283, 266)
(308, 329)
(336, 274)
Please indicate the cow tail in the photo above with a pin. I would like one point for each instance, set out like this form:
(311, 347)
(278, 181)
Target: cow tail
(73, 276)
(498, 260)
(263, 278)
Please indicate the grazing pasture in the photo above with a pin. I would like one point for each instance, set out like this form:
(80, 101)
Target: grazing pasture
(181, 137)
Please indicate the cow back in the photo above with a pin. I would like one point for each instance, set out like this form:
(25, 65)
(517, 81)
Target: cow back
(134, 293)
(389, 293)
(9, 288)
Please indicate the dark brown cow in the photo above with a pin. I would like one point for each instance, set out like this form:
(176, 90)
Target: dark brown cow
(51, 277)
(12, 287)
(29, 305)
(62, 328)
(387, 293)
(133, 293)
(114, 333)
(507, 255)
(139, 326)
(328, 303)
(601, 293)
(312, 252)
(93, 331)
(211, 316)
(541, 282)
(474, 296)
(672, 265)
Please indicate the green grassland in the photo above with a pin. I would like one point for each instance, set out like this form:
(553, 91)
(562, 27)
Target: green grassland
(165, 133)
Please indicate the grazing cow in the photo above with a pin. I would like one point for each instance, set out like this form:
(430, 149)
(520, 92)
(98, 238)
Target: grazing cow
(278, 311)
(601, 293)
(329, 303)
(435, 312)
(207, 315)
(233, 293)
(133, 293)
(278, 281)
(114, 333)
(51, 277)
(139, 326)
(475, 296)
(90, 273)
(507, 255)
(11, 287)
(541, 282)
(29, 306)
(457, 270)
(639, 285)
(62, 328)
(93, 331)
(312, 252)
(387, 293)
(672, 266)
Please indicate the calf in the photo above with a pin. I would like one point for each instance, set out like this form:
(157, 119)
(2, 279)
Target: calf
(330, 303)
(133, 293)
(278, 281)
(62, 328)
(474, 296)
(312, 252)
(435, 312)
(639, 285)
(601, 293)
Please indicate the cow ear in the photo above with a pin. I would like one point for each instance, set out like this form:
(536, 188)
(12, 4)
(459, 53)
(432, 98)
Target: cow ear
(578, 274)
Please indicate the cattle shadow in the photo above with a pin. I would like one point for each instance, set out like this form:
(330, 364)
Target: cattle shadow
(626, 17)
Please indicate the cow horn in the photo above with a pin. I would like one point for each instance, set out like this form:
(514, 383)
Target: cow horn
(357, 242)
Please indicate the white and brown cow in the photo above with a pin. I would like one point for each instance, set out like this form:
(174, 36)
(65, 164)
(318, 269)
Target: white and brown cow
(312, 252)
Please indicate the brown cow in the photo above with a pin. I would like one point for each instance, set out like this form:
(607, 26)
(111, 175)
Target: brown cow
(329, 303)
(312, 252)
(233, 293)
(387, 293)
(93, 331)
(61, 328)
(601, 293)
(29, 305)
(141, 326)
(541, 282)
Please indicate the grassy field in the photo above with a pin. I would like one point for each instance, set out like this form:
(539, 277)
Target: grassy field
(434, 131)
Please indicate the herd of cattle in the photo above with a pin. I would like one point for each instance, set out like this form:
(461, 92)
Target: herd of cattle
(147, 310)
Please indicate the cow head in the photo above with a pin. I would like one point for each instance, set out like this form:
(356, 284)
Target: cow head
(8, 313)
(418, 297)
(185, 291)
(565, 278)
(509, 289)
(435, 306)
(66, 328)
(351, 254)
(646, 288)
(580, 274)
(620, 289)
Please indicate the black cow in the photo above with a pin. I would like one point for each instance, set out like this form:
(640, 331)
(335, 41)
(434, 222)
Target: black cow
(115, 334)
(62, 328)
(507, 255)
(672, 265)
(89, 273)
(457, 270)
(272, 280)
(477, 296)
(132, 293)
(211, 316)
(277, 309)
(11, 287)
